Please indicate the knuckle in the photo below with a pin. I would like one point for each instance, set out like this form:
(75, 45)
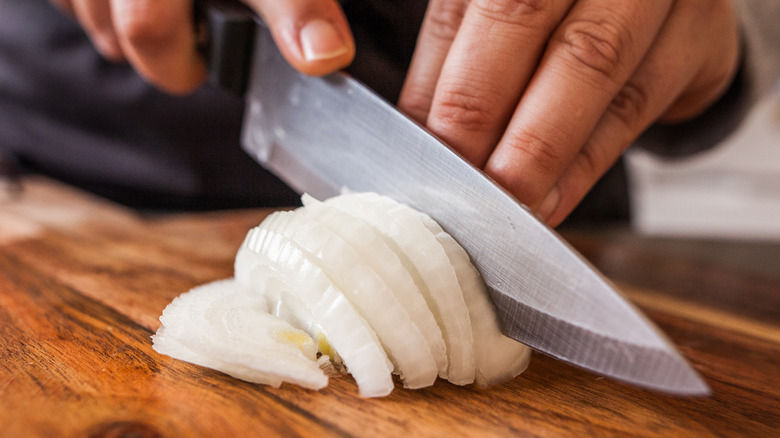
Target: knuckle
(462, 110)
(541, 154)
(630, 105)
(596, 45)
(512, 10)
(444, 18)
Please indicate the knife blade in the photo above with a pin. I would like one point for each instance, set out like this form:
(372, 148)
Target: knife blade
(324, 135)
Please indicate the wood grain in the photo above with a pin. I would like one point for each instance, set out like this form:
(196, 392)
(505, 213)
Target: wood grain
(81, 292)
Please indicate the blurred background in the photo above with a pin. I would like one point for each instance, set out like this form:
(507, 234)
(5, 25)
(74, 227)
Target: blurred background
(730, 192)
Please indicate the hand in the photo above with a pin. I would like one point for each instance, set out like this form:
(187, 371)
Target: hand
(157, 36)
(546, 95)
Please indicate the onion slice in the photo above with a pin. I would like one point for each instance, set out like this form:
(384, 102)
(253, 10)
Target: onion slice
(225, 326)
(346, 330)
(370, 246)
(404, 344)
(497, 357)
(426, 261)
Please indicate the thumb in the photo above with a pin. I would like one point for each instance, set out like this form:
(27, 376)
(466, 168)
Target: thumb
(313, 35)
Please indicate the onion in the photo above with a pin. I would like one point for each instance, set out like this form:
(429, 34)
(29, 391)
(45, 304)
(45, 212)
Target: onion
(497, 357)
(287, 267)
(375, 301)
(359, 282)
(426, 260)
(225, 326)
(371, 247)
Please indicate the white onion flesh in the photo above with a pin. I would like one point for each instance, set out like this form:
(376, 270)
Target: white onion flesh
(225, 326)
(374, 300)
(497, 357)
(370, 246)
(369, 284)
(426, 259)
(347, 331)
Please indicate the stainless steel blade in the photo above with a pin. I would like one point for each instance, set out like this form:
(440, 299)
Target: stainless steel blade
(322, 135)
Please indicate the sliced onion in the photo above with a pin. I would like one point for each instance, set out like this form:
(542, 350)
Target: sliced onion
(425, 259)
(372, 286)
(370, 247)
(348, 332)
(225, 326)
(281, 303)
(498, 358)
(376, 302)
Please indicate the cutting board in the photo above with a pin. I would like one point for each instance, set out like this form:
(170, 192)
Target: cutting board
(83, 282)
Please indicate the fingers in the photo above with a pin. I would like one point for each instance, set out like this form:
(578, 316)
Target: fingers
(488, 66)
(313, 35)
(95, 18)
(718, 35)
(660, 83)
(158, 39)
(591, 54)
(441, 24)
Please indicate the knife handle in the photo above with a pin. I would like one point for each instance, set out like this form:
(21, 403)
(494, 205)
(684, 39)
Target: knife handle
(225, 33)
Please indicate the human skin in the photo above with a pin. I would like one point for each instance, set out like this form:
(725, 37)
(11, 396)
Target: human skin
(157, 37)
(546, 95)
(543, 95)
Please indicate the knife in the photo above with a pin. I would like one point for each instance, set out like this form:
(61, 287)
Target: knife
(322, 135)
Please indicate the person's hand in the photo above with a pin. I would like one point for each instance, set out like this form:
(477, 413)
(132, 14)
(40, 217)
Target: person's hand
(545, 95)
(157, 37)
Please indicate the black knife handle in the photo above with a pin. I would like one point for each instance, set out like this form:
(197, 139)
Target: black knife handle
(225, 32)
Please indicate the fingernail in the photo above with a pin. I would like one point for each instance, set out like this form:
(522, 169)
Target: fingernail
(550, 203)
(319, 40)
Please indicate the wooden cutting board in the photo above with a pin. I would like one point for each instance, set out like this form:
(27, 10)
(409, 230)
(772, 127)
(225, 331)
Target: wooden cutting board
(83, 282)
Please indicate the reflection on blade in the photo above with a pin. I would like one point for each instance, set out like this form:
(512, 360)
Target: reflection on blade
(322, 135)
(654, 365)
